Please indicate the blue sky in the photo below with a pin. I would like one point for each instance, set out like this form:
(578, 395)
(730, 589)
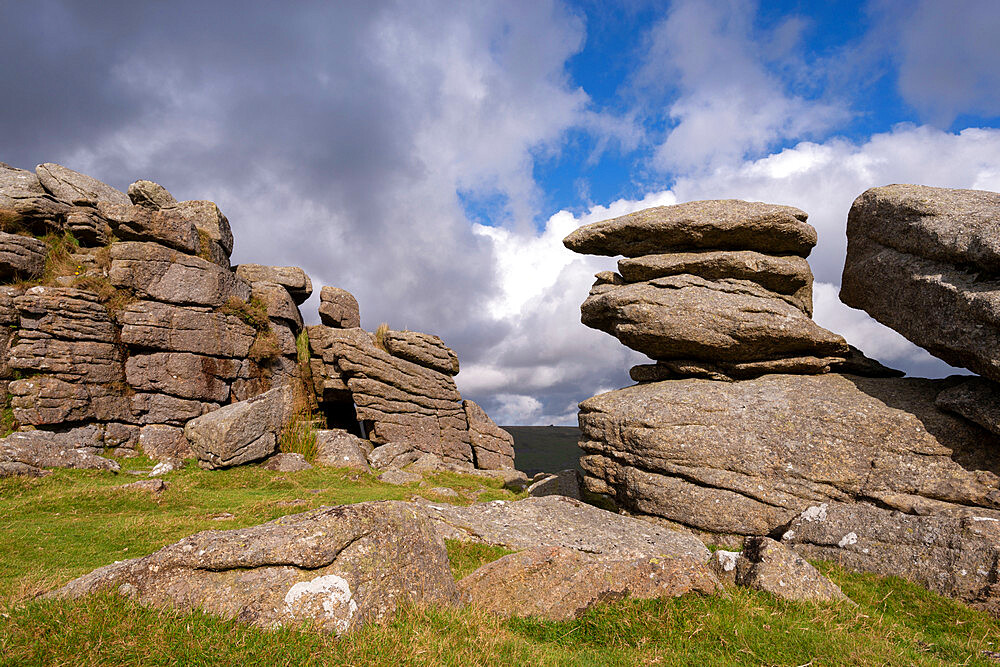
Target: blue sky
(430, 156)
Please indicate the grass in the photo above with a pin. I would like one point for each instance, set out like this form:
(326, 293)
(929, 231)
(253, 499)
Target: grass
(299, 435)
(380, 333)
(61, 526)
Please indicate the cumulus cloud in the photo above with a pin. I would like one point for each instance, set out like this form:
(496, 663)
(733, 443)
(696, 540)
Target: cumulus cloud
(947, 53)
(725, 102)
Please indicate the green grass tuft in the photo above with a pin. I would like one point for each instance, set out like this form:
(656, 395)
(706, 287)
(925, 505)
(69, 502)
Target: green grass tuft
(467, 557)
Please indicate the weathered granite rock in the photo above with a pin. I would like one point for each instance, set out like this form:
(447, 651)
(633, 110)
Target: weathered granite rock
(70, 360)
(166, 226)
(162, 442)
(788, 274)
(150, 408)
(121, 436)
(492, 447)
(216, 237)
(761, 451)
(150, 325)
(240, 432)
(337, 567)
(688, 317)
(287, 462)
(76, 188)
(857, 363)
(338, 308)
(392, 455)
(554, 521)
(976, 399)
(166, 466)
(190, 376)
(676, 369)
(423, 349)
(279, 303)
(64, 313)
(87, 227)
(339, 449)
(559, 584)
(49, 401)
(75, 448)
(21, 256)
(9, 315)
(563, 483)
(16, 469)
(766, 565)
(404, 402)
(150, 195)
(292, 278)
(713, 224)
(926, 262)
(24, 203)
(955, 554)
(155, 272)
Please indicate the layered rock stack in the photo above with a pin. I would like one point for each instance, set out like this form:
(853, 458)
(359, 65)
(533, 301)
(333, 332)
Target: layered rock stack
(716, 289)
(400, 386)
(748, 433)
(122, 322)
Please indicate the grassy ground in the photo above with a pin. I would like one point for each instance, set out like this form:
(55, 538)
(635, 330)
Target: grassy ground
(59, 527)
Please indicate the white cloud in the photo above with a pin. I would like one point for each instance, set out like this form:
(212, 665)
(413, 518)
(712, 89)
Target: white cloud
(727, 104)
(948, 55)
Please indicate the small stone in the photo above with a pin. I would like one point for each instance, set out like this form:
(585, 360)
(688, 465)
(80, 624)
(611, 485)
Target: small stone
(155, 486)
(150, 195)
(165, 466)
(338, 308)
(287, 462)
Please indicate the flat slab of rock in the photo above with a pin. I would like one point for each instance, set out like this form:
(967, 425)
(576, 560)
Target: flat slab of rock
(76, 188)
(761, 451)
(155, 272)
(181, 374)
(423, 349)
(151, 325)
(16, 469)
(954, 555)
(558, 584)
(46, 449)
(240, 432)
(788, 274)
(292, 278)
(718, 224)
(926, 262)
(688, 317)
(554, 521)
(339, 568)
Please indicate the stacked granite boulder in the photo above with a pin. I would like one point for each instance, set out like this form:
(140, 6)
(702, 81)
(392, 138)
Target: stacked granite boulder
(399, 387)
(718, 289)
(126, 327)
(856, 464)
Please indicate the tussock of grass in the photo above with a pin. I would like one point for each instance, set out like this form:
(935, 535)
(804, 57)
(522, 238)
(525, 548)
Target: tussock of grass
(299, 436)
(380, 333)
(302, 352)
(252, 312)
(467, 557)
(58, 260)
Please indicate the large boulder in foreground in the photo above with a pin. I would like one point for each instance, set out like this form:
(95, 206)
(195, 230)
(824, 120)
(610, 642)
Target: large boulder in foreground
(240, 432)
(338, 568)
(555, 521)
(926, 262)
(717, 224)
(954, 554)
(761, 451)
(559, 584)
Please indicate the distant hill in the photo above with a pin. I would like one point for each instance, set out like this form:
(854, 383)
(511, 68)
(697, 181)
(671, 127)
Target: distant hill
(545, 448)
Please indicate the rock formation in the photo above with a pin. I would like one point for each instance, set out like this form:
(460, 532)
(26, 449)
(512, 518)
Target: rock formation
(740, 429)
(717, 289)
(123, 326)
